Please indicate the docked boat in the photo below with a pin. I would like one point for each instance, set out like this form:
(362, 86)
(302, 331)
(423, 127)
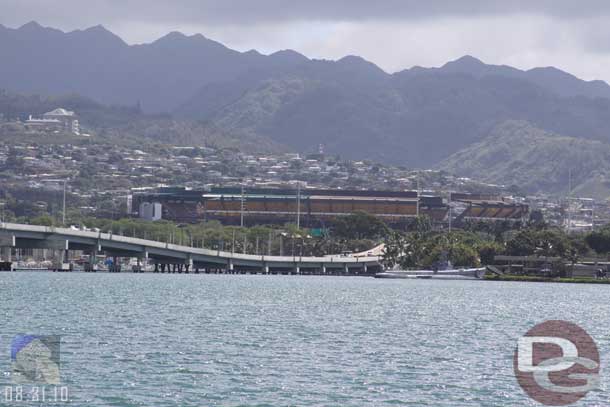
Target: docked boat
(452, 274)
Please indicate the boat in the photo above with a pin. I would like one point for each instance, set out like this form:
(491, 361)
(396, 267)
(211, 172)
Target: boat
(451, 274)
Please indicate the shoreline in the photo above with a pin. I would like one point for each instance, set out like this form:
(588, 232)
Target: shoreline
(536, 279)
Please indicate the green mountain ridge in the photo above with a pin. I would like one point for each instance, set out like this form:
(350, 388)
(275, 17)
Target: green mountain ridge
(416, 117)
(125, 124)
(193, 90)
(413, 119)
(520, 154)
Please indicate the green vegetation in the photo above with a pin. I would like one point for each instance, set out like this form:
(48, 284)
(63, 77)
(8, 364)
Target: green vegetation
(419, 247)
(117, 125)
(414, 250)
(518, 153)
(479, 243)
(599, 240)
(538, 279)
(367, 231)
(359, 225)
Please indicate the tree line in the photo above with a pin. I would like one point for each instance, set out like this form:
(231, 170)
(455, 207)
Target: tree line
(418, 245)
(478, 243)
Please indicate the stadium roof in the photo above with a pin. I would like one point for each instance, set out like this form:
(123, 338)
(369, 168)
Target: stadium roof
(59, 112)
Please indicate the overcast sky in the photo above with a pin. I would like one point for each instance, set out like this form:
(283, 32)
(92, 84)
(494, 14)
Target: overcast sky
(573, 35)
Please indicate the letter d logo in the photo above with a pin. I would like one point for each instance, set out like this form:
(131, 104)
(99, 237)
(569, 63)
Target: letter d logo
(556, 363)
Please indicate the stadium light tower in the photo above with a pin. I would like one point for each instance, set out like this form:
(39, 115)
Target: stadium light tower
(298, 205)
(418, 193)
(63, 215)
(241, 211)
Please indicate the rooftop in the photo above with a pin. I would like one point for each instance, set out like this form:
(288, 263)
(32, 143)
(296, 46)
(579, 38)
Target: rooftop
(59, 112)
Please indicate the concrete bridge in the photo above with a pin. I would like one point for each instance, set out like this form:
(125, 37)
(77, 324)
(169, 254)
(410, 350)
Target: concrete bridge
(175, 258)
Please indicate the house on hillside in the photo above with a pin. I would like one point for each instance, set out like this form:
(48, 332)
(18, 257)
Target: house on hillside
(60, 120)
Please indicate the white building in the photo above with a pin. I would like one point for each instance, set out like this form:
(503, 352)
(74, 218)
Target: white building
(59, 119)
(151, 211)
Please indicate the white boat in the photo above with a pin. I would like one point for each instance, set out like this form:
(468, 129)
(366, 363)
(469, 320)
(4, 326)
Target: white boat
(452, 274)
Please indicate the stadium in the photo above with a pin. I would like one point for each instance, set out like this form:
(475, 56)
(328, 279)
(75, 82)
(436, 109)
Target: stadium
(315, 207)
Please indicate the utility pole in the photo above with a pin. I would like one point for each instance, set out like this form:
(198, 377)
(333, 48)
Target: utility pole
(269, 245)
(450, 214)
(298, 205)
(569, 200)
(418, 193)
(63, 217)
(242, 207)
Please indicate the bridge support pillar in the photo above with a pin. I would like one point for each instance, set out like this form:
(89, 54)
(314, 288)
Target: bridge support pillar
(7, 254)
(230, 266)
(89, 267)
(297, 270)
(365, 268)
(138, 267)
(143, 259)
(266, 268)
(345, 268)
(189, 264)
(156, 268)
(116, 266)
(323, 268)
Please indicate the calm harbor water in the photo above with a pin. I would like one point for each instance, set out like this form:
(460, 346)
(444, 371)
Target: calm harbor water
(215, 340)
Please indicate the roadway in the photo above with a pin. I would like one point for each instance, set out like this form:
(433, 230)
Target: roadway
(164, 254)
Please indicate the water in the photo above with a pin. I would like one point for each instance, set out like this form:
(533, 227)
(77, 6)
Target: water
(205, 340)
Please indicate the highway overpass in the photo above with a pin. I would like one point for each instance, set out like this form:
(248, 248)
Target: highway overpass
(173, 257)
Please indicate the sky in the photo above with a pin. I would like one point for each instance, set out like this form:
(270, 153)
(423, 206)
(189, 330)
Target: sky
(573, 35)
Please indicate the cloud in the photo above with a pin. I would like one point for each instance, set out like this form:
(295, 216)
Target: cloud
(215, 12)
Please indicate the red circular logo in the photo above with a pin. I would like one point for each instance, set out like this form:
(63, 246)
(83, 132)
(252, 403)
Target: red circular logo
(557, 363)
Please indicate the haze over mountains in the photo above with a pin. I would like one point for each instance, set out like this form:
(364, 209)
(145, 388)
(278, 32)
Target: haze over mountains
(418, 117)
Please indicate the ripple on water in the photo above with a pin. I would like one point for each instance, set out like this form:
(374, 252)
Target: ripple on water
(192, 340)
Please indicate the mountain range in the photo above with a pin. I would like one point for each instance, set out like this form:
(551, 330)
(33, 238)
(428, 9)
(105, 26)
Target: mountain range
(525, 158)
(418, 117)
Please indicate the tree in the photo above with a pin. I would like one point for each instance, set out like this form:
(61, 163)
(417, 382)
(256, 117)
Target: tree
(14, 160)
(458, 247)
(394, 246)
(535, 242)
(427, 250)
(488, 251)
(414, 251)
(421, 225)
(43, 220)
(463, 255)
(359, 226)
(599, 240)
(537, 217)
